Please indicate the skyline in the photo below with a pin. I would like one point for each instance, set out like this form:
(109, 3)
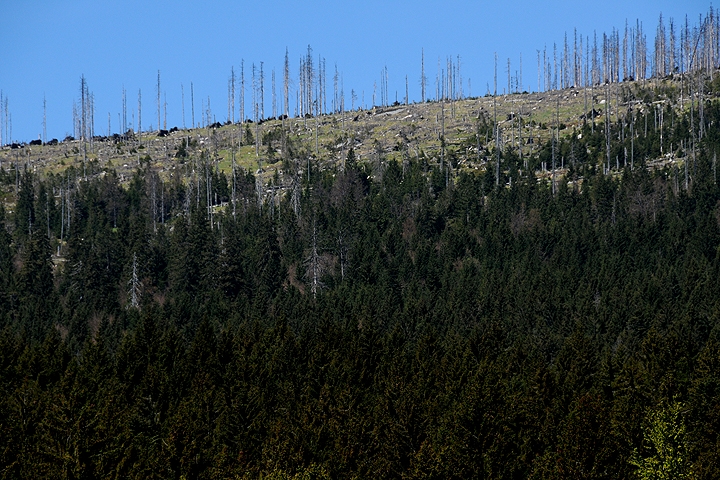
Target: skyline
(118, 49)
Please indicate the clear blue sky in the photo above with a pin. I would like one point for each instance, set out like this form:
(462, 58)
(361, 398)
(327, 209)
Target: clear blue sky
(45, 46)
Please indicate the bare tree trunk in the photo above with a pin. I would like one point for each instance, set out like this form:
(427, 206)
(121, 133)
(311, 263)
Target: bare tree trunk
(140, 112)
(274, 97)
(309, 81)
(509, 89)
(565, 64)
(262, 91)
(632, 141)
(555, 68)
(607, 125)
(625, 53)
(314, 265)
(158, 101)
(232, 93)
(547, 83)
(595, 64)
(386, 85)
(407, 91)
(423, 79)
(153, 198)
(124, 113)
(336, 100)
(229, 101)
(44, 139)
(286, 85)
(323, 88)
(459, 81)
(577, 61)
(83, 118)
(242, 95)
(8, 123)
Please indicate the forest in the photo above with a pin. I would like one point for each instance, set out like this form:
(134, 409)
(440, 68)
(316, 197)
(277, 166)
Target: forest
(551, 315)
(386, 323)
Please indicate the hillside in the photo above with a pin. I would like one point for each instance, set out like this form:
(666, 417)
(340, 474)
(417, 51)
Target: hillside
(526, 123)
(365, 298)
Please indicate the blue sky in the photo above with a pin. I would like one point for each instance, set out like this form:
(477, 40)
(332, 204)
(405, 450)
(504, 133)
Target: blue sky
(45, 46)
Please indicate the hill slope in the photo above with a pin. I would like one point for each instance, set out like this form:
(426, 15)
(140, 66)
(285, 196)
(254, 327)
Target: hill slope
(525, 122)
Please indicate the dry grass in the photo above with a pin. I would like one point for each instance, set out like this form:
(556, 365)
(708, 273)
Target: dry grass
(390, 133)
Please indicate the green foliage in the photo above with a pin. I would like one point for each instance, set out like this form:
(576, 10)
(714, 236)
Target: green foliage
(248, 137)
(182, 150)
(665, 452)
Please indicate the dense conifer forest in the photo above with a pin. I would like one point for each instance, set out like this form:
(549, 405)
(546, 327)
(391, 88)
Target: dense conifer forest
(379, 318)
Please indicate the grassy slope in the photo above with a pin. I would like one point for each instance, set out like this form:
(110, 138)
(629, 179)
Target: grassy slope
(391, 132)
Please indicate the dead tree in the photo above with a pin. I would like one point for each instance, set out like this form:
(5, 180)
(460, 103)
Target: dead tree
(566, 64)
(286, 84)
(262, 91)
(309, 81)
(124, 111)
(158, 101)
(232, 93)
(423, 78)
(407, 91)
(509, 87)
(182, 101)
(83, 121)
(274, 97)
(44, 139)
(625, 53)
(672, 46)
(579, 60)
(607, 125)
(335, 103)
(555, 68)
(135, 290)
(242, 94)
(458, 79)
(386, 80)
(8, 122)
(314, 265)
(140, 112)
(323, 87)
(660, 70)
(192, 106)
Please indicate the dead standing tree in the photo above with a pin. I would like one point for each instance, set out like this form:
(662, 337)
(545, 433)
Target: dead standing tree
(135, 290)
(315, 264)
(286, 84)
(158, 101)
(83, 120)
(423, 78)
